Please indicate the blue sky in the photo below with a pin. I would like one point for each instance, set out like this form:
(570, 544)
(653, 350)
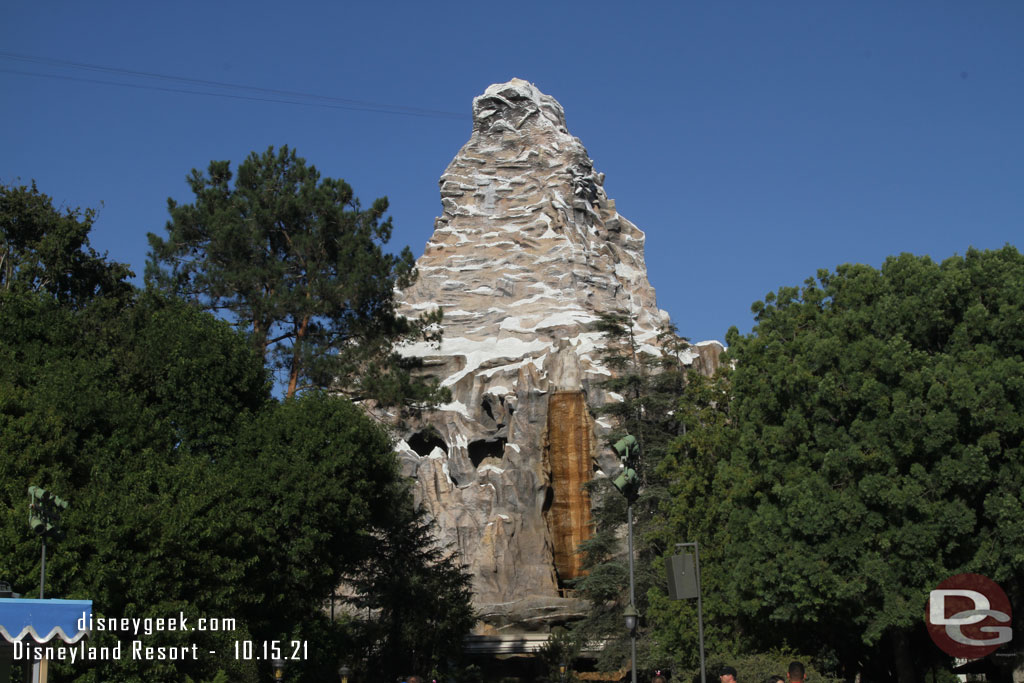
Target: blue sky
(753, 142)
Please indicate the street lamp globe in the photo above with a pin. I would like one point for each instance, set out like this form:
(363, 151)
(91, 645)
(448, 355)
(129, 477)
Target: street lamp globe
(632, 617)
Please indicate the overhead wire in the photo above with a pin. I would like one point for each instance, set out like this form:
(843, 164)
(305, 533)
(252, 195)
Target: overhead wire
(295, 97)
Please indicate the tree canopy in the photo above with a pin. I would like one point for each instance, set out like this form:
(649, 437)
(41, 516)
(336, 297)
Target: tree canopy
(296, 261)
(191, 489)
(872, 448)
(46, 250)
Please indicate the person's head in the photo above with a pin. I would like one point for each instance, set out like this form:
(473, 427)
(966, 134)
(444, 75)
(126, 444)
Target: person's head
(776, 679)
(414, 679)
(727, 674)
(659, 678)
(796, 672)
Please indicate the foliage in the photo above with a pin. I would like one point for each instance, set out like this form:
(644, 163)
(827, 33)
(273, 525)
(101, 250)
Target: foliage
(757, 668)
(191, 490)
(419, 594)
(220, 677)
(558, 655)
(44, 250)
(649, 385)
(874, 449)
(298, 263)
(324, 477)
(689, 513)
(146, 530)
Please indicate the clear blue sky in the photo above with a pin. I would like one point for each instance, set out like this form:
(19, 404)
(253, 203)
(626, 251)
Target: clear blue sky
(753, 142)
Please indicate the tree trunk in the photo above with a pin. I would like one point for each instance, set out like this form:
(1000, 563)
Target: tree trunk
(901, 653)
(293, 374)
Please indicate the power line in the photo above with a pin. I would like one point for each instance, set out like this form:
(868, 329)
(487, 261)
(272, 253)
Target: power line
(217, 94)
(315, 99)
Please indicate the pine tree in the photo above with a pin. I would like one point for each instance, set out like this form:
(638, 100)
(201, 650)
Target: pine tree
(649, 385)
(417, 595)
(294, 260)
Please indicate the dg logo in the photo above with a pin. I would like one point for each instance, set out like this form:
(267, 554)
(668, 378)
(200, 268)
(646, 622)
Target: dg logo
(969, 616)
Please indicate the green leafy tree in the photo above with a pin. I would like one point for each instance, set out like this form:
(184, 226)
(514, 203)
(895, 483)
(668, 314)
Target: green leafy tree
(690, 512)
(876, 424)
(327, 478)
(192, 491)
(295, 260)
(46, 250)
(147, 532)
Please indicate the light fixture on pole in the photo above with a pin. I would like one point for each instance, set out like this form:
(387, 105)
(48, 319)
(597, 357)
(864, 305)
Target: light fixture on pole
(631, 617)
(344, 672)
(278, 665)
(44, 511)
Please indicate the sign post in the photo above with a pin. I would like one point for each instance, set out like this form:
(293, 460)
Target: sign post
(684, 584)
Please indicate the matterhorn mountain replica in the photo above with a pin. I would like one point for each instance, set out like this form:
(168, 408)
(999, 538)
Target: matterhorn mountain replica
(528, 252)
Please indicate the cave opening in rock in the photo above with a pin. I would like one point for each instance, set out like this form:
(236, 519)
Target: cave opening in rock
(424, 441)
(486, 448)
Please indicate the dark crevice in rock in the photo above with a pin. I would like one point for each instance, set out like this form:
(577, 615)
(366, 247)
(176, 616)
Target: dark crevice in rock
(486, 405)
(549, 498)
(493, 448)
(423, 442)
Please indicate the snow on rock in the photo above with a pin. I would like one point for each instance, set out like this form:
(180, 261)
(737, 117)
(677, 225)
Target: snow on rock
(528, 251)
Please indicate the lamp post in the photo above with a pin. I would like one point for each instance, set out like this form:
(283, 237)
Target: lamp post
(44, 510)
(630, 614)
(344, 672)
(628, 485)
(278, 665)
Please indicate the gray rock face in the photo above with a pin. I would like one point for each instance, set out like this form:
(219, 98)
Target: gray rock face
(528, 250)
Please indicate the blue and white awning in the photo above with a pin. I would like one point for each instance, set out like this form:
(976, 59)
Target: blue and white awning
(43, 620)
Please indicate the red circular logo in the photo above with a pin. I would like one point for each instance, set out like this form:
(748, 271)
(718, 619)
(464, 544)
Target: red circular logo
(968, 615)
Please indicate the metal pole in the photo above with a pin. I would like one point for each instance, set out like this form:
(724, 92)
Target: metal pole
(632, 585)
(700, 607)
(700, 613)
(42, 570)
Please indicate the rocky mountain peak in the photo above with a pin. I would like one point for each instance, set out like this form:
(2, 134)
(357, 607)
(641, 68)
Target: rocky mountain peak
(514, 106)
(528, 251)
(529, 246)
